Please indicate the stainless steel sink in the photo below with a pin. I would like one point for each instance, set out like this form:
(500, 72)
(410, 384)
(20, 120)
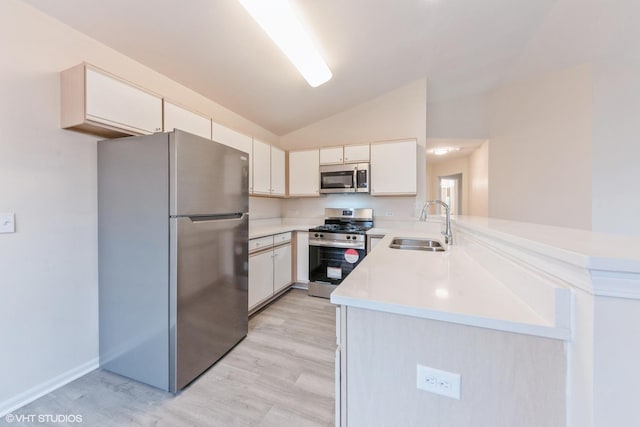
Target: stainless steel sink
(417, 244)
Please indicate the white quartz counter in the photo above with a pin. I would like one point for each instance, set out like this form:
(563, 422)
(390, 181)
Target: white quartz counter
(582, 248)
(448, 286)
(256, 231)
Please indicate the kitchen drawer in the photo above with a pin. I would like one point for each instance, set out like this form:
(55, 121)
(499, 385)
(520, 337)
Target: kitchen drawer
(281, 238)
(260, 243)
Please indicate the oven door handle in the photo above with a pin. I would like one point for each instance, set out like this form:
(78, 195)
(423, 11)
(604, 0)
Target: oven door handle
(334, 244)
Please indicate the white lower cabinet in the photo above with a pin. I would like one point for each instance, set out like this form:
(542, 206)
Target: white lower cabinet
(269, 268)
(302, 257)
(260, 277)
(281, 267)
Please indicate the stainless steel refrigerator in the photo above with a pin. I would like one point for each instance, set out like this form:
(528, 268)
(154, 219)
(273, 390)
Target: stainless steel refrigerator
(173, 255)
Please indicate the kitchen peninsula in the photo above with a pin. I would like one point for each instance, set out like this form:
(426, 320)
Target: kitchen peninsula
(527, 297)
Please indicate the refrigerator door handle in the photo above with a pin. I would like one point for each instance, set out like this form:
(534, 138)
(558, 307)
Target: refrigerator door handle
(216, 218)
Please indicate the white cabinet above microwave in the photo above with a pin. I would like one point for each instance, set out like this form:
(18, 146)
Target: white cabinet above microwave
(344, 154)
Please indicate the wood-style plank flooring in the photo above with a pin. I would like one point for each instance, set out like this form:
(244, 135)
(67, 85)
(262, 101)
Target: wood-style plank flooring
(281, 374)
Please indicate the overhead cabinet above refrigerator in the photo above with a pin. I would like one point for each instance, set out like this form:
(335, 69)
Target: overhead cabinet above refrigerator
(97, 102)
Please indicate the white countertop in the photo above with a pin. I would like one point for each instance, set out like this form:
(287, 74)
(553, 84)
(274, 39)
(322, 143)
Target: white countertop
(582, 248)
(449, 286)
(256, 231)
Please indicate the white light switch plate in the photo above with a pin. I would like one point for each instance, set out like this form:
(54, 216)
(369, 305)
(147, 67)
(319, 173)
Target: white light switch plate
(7, 223)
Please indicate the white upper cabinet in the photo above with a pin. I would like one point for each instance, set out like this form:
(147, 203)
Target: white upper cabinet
(261, 168)
(95, 102)
(304, 173)
(268, 169)
(331, 155)
(237, 140)
(176, 117)
(231, 138)
(277, 172)
(356, 153)
(344, 154)
(394, 168)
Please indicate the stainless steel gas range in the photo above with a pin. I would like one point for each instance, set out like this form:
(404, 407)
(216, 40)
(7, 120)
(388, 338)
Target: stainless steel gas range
(337, 247)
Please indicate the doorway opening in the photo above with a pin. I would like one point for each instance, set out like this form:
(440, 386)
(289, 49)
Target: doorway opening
(450, 192)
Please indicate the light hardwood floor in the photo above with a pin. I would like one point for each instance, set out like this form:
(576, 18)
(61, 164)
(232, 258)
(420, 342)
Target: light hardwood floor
(281, 374)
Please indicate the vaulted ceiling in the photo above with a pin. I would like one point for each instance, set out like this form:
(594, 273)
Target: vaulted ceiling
(371, 46)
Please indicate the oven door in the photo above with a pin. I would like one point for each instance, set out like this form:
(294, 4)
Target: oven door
(337, 179)
(331, 264)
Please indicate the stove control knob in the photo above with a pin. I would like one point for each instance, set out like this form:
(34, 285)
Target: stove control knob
(316, 235)
(322, 235)
(348, 237)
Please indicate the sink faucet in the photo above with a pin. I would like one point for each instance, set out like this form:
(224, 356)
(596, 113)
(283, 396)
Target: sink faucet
(448, 236)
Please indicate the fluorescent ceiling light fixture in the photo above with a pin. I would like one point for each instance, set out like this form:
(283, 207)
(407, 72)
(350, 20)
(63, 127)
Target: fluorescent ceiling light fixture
(278, 19)
(443, 150)
(442, 293)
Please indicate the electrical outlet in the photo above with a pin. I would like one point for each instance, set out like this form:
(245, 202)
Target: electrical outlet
(439, 382)
(389, 213)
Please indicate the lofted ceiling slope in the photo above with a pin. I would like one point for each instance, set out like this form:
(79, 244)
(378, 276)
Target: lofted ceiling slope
(462, 46)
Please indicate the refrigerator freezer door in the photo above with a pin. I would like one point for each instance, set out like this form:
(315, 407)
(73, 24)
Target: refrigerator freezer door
(206, 177)
(209, 281)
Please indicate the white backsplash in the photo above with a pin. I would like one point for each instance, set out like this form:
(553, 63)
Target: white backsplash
(264, 208)
(311, 210)
(384, 208)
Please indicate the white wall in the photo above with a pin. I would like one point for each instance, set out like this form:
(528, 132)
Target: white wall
(479, 181)
(616, 356)
(540, 158)
(616, 150)
(48, 268)
(602, 104)
(398, 114)
(460, 118)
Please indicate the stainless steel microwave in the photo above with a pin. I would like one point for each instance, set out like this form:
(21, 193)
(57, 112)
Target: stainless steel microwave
(349, 178)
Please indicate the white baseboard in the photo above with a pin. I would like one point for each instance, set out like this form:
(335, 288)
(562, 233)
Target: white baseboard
(48, 386)
(301, 285)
